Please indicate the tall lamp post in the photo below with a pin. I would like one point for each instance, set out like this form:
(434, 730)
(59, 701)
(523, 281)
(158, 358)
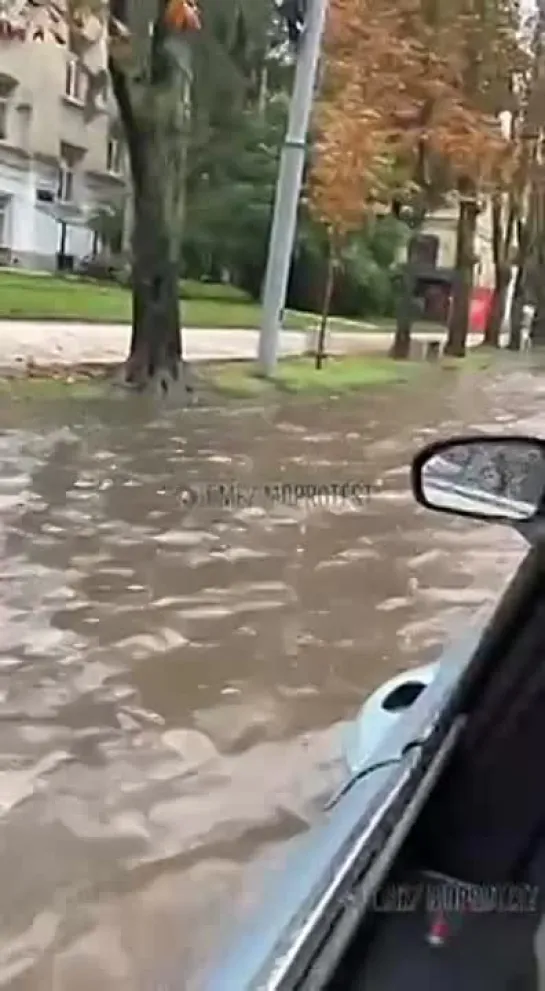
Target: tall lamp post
(288, 188)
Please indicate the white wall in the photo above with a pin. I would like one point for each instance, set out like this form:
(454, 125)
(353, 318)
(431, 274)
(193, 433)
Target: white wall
(79, 241)
(33, 235)
(443, 224)
(20, 227)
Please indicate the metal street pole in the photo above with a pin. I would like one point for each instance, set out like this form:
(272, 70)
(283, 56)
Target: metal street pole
(288, 188)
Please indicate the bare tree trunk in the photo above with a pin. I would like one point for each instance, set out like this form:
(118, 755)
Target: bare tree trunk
(154, 116)
(497, 307)
(465, 261)
(524, 238)
(263, 91)
(536, 265)
(401, 345)
(517, 312)
(502, 236)
(326, 304)
(538, 323)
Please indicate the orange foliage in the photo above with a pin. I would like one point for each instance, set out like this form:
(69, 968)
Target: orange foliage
(406, 81)
(351, 156)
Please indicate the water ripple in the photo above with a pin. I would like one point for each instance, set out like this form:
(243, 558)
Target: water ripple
(174, 681)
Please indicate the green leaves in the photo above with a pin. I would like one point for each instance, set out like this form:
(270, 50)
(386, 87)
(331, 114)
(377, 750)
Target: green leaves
(231, 189)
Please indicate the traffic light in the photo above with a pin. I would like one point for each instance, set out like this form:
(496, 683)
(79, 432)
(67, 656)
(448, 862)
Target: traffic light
(294, 14)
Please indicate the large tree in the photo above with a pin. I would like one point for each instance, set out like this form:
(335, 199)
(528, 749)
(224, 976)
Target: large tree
(415, 68)
(489, 55)
(149, 52)
(151, 80)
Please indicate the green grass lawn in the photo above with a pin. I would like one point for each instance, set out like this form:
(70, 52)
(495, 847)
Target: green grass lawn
(36, 296)
(299, 376)
(47, 297)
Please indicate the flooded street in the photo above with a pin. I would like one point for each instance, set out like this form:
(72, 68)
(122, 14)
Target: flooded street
(174, 679)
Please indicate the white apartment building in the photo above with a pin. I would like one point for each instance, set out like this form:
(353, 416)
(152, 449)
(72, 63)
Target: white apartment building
(443, 225)
(57, 170)
(441, 228)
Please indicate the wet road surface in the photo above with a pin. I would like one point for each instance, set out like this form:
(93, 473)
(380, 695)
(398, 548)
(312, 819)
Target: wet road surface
(175, 679)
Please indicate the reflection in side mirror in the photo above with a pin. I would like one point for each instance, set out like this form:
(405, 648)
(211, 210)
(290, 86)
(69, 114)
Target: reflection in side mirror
(483, 477)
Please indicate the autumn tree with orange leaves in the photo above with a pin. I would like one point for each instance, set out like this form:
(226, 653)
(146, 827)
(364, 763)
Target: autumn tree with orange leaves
(409, 104)
(355, 161)
(351, 171)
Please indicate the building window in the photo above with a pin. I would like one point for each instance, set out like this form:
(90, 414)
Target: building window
(45, 195)
(4, 208)
(7, 87)
(73, 83)
(114, 156)
(3, 119)
(70, 158)
(65, 187)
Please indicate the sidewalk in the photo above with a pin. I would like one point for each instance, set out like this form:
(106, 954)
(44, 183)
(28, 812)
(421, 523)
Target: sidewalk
(75, 343)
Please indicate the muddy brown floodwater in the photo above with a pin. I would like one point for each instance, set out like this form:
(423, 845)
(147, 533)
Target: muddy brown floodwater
(174, 680)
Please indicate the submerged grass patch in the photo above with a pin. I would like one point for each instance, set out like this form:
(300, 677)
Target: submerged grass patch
(343, 374)
(52, 388)
(299, 376)
(57, 381)
(476, 359)
(241, 379)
